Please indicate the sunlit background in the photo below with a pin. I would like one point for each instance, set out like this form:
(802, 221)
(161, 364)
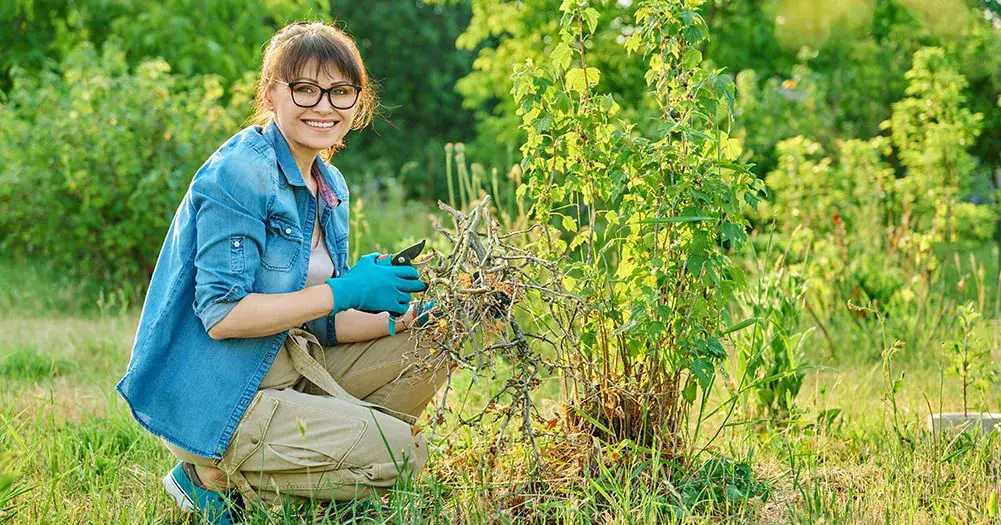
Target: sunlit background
(875, 126)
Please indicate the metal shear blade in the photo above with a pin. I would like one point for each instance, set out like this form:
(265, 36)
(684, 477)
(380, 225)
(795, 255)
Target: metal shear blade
(406, 257)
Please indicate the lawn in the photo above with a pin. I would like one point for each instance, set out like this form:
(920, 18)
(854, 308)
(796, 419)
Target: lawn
(82, 458)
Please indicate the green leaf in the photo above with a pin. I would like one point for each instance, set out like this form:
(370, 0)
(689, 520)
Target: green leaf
(734, 494)
(628, 325)
(569, 224)
(693, 35)
(634, 42)
(301, 425)
(703, 370)
(690, 392)
(715, 348)
(575, 79)
(593, 421)
(741, 325)
(731, 149)
(561, 56)
(692, 58)
(666, 128)
(591, 17)
(827, 417)
(607, 102)
(544, 124)
(522, 189)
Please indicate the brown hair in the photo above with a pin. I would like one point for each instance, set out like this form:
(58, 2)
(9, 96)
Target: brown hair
(297, 45)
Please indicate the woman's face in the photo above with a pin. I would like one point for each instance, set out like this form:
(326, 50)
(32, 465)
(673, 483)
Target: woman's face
(311, 130)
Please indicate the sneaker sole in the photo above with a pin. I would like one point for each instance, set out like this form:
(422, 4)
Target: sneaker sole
(178, 494)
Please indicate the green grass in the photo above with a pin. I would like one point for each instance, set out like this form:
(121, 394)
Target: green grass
(81, 458)
(29, 365)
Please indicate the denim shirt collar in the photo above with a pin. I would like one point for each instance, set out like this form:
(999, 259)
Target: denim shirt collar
(286, 161)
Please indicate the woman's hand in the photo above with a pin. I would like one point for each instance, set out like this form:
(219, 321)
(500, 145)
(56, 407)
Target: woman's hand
(372, 285)
(422, 313)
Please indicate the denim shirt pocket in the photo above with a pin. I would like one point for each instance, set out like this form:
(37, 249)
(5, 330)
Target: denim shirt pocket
(282, 244)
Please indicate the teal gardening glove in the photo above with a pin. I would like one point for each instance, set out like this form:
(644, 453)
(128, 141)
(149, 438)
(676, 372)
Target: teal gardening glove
(422, 315)
(423, 311)
(374, 285)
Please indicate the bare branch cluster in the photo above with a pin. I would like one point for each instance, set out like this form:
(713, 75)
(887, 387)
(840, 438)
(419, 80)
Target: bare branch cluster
(477, 288)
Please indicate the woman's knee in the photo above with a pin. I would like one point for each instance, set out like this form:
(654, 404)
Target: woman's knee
(390, 446)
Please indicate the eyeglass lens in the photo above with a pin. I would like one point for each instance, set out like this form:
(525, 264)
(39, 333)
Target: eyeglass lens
(341, 97)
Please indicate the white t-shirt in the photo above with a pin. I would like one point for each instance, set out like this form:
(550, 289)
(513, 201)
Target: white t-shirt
(321, 267)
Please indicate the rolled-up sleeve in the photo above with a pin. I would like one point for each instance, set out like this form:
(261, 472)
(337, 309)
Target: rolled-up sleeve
(229, 196)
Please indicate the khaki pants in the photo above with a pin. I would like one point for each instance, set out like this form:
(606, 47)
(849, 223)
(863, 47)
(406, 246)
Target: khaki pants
(332, 423)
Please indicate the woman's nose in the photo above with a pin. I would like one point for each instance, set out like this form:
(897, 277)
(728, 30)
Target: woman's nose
(324, 105)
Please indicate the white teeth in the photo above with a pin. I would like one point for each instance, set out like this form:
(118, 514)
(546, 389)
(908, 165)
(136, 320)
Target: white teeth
(319, 125)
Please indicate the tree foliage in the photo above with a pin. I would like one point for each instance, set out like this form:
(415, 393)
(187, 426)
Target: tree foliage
(506, 34)
(409, 49)
(855, 57)
(828, 74)
(865, 232)
(188, 34)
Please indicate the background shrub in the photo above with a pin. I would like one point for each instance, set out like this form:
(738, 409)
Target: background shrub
(415, 68)
(95, 157)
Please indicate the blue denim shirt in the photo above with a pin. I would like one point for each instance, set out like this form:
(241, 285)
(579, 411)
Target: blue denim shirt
(243, 227)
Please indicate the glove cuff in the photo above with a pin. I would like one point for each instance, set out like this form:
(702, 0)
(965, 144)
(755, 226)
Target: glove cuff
(344, 298)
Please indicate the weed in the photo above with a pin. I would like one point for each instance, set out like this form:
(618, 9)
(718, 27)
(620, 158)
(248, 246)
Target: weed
(970, 356)
(721, 483)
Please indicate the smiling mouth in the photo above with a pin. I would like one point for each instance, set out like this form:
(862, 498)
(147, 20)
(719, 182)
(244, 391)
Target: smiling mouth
(321, 125)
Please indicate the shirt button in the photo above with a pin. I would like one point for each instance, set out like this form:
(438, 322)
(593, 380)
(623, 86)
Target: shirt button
(236, 244)
(288, 231)
(254, 440)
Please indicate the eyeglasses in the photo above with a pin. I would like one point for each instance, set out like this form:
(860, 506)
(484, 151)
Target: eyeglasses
(308, 94)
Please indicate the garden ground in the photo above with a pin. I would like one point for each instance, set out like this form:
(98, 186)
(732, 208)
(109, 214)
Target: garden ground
(83, 459)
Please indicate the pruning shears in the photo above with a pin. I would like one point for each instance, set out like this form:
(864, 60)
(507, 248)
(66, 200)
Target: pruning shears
(406, 257)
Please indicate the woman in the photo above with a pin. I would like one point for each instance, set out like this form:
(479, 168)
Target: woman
(263, 361)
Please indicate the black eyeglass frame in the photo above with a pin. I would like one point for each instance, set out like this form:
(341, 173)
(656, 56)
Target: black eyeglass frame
(328, 91)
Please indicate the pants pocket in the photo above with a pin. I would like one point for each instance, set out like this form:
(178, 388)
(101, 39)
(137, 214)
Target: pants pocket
(300, 432)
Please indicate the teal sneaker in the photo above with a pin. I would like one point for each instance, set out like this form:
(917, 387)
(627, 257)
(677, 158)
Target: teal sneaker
(217, 507)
